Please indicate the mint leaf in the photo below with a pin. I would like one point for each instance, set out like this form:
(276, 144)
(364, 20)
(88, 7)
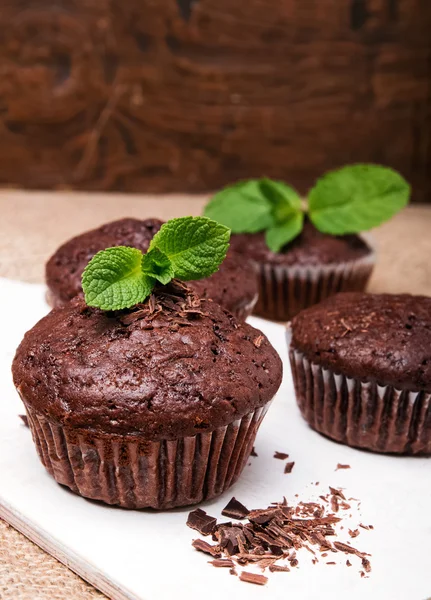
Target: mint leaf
(284, 199)
(195, 246)
(157, 265)
(242, 207)
(278, 236)
(357, 198)
(113, 279)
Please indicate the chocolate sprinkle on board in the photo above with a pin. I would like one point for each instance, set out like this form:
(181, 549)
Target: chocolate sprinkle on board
(253, 578)
(279, 568)
(288, 468)
(337, 493)
(334, 504)
(235, 510)
(221, 562)
(24, 419)
(199, 520)
(354, 533)
(340, 466)
(280, 455)
(270, 537)
(203, 546)
(349, 549)
(366, 564)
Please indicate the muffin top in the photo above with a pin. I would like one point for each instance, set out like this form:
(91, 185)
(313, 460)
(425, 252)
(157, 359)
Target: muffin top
(384, 338)
(311, 247)
(65, 267)
(174, 366)
(234, 285)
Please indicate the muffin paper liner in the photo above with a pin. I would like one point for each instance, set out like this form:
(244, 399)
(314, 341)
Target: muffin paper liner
(243, 312)
(285, 290)
(359, 413)
(135, 473)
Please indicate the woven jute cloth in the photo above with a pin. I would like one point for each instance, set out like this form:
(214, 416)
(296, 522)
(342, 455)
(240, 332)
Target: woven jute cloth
(31, 228)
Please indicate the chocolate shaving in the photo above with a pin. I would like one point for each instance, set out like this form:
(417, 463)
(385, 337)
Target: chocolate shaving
(253, 578)
(340, 466)
(278, 568)
(258, 341)
(24, 419)
(175, 298)
(263, 516)
(288, 468)
(271, 537)
(229, 540)
(199, 520)
(203, 546)
(221, 562)
(253, 452)
(337, 493)
(348, 563)
(366, 565)
(280, 455)
(235, 510)
(335, 504)
(348, 549)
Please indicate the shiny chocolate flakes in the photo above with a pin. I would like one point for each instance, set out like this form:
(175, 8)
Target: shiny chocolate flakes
(273, 538)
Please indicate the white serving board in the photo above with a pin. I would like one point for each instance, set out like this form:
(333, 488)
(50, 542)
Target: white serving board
(147, 555)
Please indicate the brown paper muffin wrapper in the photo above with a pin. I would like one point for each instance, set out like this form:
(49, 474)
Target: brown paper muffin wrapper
(286, 290)
(359, 413)
(134, 473)
(243, 312)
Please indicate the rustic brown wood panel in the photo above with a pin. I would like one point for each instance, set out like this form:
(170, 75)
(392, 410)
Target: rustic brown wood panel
(162, 95)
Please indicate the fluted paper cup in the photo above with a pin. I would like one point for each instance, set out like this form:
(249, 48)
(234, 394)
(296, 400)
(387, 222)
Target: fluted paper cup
(359, 413)
(133, 472)
(286, 290)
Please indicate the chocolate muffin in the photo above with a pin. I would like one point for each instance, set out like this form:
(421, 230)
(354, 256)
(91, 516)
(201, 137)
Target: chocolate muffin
(234, 286)
(361, 366)
(156, 406)
(309, 269)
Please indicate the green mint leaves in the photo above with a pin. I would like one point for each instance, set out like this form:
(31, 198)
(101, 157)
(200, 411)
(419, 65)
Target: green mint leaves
(259, 205)
(155, 264)
(186, 248)
(195, 246)
(114, 279)
(242, 207)
(357, 198)
(350, 200)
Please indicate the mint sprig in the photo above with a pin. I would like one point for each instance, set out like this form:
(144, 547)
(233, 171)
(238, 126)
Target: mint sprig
(186, 248)
(258, 205)
(357, 198)
(349, 200)
(195, 246)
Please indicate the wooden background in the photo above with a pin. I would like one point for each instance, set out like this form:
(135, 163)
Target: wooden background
(187, 95)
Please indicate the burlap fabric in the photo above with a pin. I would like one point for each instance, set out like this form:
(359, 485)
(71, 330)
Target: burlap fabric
(31, 227)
